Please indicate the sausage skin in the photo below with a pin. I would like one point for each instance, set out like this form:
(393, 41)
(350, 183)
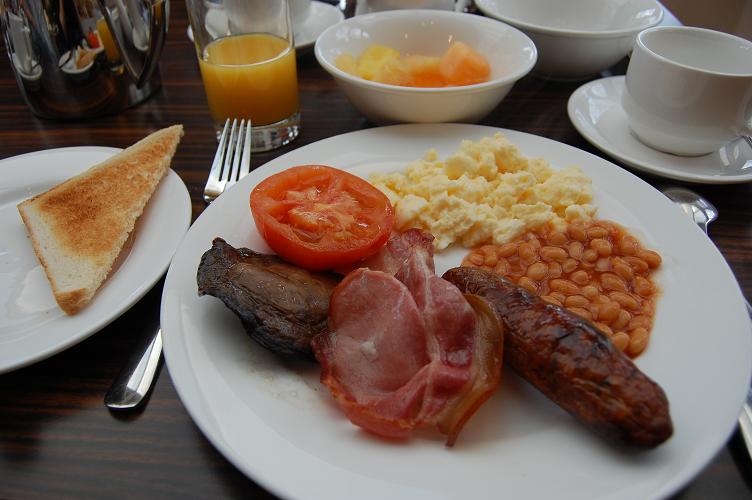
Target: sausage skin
(573, 363)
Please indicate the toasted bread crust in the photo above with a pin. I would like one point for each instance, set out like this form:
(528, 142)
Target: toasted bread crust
(72, 302)
(79, 227)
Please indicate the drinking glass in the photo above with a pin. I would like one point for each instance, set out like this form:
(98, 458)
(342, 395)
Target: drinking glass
(246, 55)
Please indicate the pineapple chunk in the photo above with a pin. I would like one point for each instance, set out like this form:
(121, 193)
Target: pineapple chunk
(373, 59)
(347, 63)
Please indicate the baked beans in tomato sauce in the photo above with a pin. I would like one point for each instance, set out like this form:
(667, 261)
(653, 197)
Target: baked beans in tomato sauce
(596, 269)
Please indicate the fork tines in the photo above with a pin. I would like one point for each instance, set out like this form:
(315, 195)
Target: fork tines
(232, 160)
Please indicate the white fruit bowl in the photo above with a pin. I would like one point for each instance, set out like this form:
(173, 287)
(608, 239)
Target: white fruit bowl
(509, 52)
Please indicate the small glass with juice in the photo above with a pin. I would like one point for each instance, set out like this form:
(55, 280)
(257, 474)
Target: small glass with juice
(246, 55)
(110, 48)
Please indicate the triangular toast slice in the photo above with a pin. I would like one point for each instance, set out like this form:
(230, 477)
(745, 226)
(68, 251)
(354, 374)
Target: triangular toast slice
(79, 227)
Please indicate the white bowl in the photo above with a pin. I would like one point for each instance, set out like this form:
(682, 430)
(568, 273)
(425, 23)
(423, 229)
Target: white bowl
(577, 38)
(509, 52)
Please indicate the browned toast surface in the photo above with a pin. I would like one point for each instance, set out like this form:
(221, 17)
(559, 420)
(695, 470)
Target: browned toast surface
(79, 227)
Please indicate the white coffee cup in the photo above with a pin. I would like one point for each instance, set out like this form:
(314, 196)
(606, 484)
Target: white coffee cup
(299, 12)
(238, 13)
(688, 90)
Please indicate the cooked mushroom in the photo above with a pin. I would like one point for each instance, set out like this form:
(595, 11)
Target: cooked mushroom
(281, 306)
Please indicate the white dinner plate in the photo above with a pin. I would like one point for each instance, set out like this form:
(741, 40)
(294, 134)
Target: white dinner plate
(32, 326)
(596, 112)
(320, 17)
(277, 424)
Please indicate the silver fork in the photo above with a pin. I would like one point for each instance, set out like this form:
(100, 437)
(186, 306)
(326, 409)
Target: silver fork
(232, 161)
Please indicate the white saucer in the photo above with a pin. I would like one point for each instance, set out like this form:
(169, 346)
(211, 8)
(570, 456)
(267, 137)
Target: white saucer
(596, 112)
(321, 16)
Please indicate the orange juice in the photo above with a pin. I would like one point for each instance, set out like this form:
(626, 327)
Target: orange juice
(110, 49)
(250, 76)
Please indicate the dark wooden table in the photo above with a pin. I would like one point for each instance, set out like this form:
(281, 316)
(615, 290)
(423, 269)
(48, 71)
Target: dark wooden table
(58, 440)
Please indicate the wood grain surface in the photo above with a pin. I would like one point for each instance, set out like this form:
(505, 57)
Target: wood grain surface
(57, 439)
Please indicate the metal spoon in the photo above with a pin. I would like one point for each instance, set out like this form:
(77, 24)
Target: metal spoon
(703, 213)
(700, 210)
(735, 156)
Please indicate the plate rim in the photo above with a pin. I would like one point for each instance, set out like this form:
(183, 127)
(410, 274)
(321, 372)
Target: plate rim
(128, 297)
(209, 427)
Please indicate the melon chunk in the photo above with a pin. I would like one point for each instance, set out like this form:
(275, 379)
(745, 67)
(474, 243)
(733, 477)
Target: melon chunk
(459, 65)
(423, 71)
(463, 65)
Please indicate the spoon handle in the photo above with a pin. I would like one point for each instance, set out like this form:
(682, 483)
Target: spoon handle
(745, 422)
(131, 386)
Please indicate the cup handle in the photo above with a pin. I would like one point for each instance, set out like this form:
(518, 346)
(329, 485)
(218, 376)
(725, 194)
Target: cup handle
(158, 21)
(461, 5)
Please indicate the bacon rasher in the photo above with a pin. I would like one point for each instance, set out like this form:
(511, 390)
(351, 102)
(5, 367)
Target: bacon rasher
(405, 349)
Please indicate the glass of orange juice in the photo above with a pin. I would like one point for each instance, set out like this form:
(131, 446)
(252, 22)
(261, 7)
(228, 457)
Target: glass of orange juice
(246, 55)
(110, 49)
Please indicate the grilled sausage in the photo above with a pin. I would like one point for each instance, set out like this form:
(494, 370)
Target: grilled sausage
(573, 363)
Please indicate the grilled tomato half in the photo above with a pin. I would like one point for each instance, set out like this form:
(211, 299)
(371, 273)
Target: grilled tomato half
(320, 217)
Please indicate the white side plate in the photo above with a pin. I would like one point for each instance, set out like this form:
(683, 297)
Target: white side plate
(32, 326)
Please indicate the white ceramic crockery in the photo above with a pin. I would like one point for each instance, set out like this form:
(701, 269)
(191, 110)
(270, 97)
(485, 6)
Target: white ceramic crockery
(688, 90)
(299, 12)
(595, 111)
(508, 51)
(274, 420)
(319, 17)
(32, 325)
(576, 39)
(368, 6)
(239, 12)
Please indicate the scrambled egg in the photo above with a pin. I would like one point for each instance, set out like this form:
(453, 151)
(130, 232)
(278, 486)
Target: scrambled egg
(487, 192)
